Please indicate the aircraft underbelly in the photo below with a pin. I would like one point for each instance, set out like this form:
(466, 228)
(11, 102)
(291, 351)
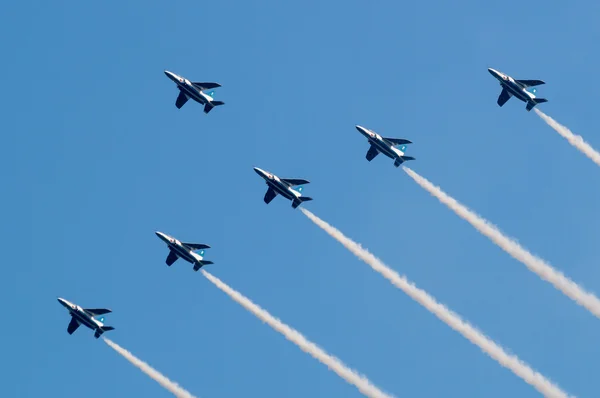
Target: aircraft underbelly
(517, 93)
(84, 321)
(183, 254)
(385, 150)
(193, 94)
(281, 191)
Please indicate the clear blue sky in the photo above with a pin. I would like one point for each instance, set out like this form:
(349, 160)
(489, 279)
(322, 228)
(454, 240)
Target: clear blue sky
(95, 158)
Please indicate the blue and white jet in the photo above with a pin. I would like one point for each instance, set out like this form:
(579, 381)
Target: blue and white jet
(195, 91)
(283, 187)
(185, 251)
(517, 88)
(387, 146)
(87, 317)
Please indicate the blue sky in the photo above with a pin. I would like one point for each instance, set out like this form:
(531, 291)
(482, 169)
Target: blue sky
(96, 157)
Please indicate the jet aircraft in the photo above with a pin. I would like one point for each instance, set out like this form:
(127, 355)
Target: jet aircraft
(283, 187)
(518, 89)
(195, 91)
(86, 316)
(387, 146)
(185, 251)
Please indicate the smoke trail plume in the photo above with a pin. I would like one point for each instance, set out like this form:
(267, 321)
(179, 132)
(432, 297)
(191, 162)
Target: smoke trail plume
(575, 140)
(518, 367)
(351, 376)
(171, 386)
(535, 264)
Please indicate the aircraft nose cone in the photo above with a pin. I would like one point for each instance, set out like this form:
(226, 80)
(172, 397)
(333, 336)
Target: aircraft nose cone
(361, 129)
(171, 75)
(258, 171)
(493, 72)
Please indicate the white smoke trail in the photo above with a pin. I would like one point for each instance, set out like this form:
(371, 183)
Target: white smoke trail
(518, 367)
(537, 265)
(575, 140)
(361, 382)
(171, 386)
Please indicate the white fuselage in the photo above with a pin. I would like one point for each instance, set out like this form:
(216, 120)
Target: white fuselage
(278, 186)
(179, 249)
(189, 89)
(81, 315)
(378, 142)
(513, 87)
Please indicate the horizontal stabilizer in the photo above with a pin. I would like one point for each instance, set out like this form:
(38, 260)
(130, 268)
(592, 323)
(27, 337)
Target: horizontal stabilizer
(296, 202)
(534, 102)
(205, 85)
(197, 246)
(101, 330)
(201, 264)
(531, 83)
(98, 311)
(402, 159)
(209, 105)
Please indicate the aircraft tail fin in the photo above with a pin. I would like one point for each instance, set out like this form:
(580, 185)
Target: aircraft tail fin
(201, 264)
(402, 159)
(534, 102)
(296, 202)
(101, 330)
(209, 105)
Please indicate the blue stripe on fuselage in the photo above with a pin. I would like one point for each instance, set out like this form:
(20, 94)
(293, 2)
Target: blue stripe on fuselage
(516, 90)
(182, 253)
(84, 320)
(381, 147)
(193, 93)
(281, 189)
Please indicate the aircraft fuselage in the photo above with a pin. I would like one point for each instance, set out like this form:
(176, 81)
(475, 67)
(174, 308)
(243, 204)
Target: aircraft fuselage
(378, 142)
(277, 185)
(513, 87)
(178, 248)
(188, 88)
(81, 315)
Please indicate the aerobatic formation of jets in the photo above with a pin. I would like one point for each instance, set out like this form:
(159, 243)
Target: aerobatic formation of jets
(289, 188)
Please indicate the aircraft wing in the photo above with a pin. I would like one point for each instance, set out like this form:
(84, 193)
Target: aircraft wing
(371, 153)
(181, 100)
(196, 246)
(531, 83)
(295, 181)
(171, 258)
(397, 141)
(98, 311)
(73, 325)
(504, 96)
(205, 86)
(270, 195)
